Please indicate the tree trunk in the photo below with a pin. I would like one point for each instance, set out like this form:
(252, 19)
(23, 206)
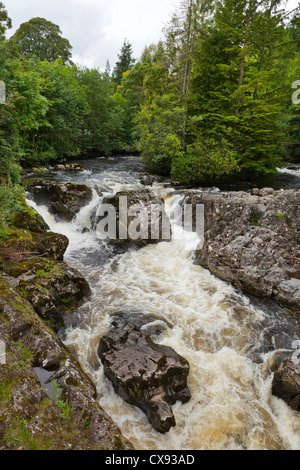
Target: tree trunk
(272, 4)
(244, 54)
(186, 76)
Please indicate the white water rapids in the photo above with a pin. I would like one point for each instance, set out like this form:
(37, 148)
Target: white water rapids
(212, 325)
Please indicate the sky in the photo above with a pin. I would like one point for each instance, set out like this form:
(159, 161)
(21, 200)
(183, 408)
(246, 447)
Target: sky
(97, 28)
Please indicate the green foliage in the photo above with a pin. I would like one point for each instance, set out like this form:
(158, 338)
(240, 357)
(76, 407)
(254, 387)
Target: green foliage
(125, 62)
(210, 101)
(105, 119)
(5, 21)
(42, 39)
(64, 408)
(254, 217)
(60, 134)
(159, 124)
(206, 161)
(11, 202)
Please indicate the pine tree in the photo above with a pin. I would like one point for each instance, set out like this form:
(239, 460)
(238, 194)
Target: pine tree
(238, 81)
(125, 62)
(107, 72)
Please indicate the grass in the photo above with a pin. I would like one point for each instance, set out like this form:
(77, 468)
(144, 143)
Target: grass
(5, 390)
(42, 274)
(254, 217)
(21, 437)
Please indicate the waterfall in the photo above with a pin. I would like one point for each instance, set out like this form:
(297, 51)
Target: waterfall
(215, 327)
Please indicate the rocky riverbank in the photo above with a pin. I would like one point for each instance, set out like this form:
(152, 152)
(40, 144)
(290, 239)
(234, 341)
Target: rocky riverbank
(252, 241)
(36, 290)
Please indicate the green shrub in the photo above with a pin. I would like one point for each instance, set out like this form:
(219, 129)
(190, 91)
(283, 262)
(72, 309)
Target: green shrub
(206, 161)
(11, 202)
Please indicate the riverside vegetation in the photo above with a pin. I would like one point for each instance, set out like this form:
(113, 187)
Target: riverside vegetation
(211, 103)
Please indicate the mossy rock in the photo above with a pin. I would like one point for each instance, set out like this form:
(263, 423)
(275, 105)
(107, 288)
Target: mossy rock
(63, 201)
(29, 418)
(51, 287)
(29, 219)
(22, 244)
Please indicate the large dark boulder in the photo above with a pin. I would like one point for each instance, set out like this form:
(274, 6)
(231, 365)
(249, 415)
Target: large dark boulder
(63, 201)
(286, 383)
(148, 375)
(132, 207)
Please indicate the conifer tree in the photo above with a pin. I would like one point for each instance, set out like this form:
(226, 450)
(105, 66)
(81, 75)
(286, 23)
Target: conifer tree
(125, 62)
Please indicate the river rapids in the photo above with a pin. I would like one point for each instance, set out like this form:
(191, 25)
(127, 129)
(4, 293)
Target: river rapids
(215, 327)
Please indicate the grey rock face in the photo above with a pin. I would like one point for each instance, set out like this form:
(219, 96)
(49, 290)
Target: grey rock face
(252, 241)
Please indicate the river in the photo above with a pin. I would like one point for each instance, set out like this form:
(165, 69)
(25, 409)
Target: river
(220, 331)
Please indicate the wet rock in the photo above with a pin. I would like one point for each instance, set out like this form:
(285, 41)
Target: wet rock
(23, 245)
(69, 167)
(150, 376)
(51, 245)
(29, 419)
(146, 179)
(72, 199)
(252, 241)
(293, 166)
(63, 201)
(50, 286)
(139, 218)
(286, 383)
(29, 220)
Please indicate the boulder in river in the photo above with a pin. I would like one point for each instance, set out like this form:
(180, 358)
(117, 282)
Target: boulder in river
(145, 374)
(135, 216)
(63, 201)
(286, 383)
(146, 179)
(69, 167)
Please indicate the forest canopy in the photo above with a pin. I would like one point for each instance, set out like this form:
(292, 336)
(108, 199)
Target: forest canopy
(210, 102)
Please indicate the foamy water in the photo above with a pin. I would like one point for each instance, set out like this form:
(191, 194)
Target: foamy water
(211, 324)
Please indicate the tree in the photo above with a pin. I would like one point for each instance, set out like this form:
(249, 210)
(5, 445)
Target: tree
(41, 38)
(21, 116)
(239, 82)
(154, 54)
(291, 119)
(61, 134)
(5, 21)
(182, 34)
(107, 72)
(104, 122)
(159, 122)
(207, 161)
(125, 62)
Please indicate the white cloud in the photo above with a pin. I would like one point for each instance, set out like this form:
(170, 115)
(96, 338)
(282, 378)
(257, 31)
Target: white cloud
(96, 28)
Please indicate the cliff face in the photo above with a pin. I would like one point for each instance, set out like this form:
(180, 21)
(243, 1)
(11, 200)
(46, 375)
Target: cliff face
(46, 400)
(252, 241)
